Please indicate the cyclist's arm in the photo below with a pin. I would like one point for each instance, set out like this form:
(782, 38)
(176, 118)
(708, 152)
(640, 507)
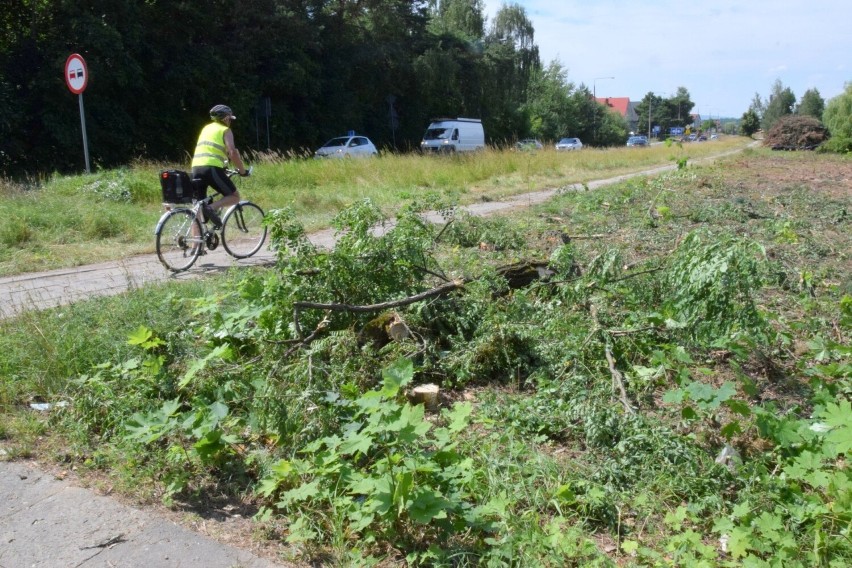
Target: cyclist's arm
(233, 153)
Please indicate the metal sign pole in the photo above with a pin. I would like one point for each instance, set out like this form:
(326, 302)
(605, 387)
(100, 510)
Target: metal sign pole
(85, 139)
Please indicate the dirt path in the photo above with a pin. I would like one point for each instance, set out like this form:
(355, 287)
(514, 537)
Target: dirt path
(42, 290)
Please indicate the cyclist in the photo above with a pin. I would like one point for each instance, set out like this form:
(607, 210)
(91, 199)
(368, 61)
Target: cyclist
(215, 146)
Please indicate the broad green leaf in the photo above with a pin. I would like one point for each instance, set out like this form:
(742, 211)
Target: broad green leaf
(458, 417)
(210, 445)
(300, 531)
(674, 396)
(839, 418)
(396, 376)
(731, 429)
(355, 442)
(739, 541)
(741, 510)
(427, 505)
(140, 336)
(565, 494)
(739, 407)
(769, 525)
(364, 486)
(301, 493)
(218, 409)
(700, 392)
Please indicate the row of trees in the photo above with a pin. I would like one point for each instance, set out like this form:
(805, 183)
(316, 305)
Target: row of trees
(296, 72)
(835, 115)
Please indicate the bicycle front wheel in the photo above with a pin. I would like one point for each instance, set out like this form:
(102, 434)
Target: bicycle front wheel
(179, 240)
(243, 230)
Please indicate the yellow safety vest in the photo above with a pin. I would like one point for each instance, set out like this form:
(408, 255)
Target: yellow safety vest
(210, 149)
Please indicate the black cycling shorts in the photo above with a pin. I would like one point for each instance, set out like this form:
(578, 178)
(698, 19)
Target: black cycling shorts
(212, 176)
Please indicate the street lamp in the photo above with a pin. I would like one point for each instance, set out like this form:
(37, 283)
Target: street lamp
(595, 96)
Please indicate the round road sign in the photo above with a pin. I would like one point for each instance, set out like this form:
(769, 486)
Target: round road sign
(76, 73)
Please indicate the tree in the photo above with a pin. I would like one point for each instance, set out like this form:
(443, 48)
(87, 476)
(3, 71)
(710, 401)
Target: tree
(679, 107)
(463, 18)
(548, 107)
(781, 102)
(757, 105)
(812, 104)
(651, 109)
(750, 123)
(510, 59)
(838, 119)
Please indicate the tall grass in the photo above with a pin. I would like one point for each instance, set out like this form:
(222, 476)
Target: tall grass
(42, 350)
(62, 221)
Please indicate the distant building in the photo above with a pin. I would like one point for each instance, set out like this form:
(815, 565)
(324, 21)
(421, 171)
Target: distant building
(624, 107)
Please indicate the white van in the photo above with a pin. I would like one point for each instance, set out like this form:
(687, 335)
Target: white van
(453, 135)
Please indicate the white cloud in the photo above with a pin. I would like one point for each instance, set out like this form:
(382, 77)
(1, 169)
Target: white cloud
(722, 51)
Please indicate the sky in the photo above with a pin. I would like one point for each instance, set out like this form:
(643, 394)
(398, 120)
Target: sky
(722, 51)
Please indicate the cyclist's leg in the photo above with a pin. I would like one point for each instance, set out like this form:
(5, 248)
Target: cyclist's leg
(223, 184)
(202, 178)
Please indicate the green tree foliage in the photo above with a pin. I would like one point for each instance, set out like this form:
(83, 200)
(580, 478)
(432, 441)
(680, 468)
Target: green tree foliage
(549, 107)
(781, 102)
(510, 59)
(665, 112)
(750, 123)
(838, 119)
(679, 108)
(812, 104)
(459, 17)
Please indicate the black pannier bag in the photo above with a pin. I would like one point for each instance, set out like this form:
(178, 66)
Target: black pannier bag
(177, 186)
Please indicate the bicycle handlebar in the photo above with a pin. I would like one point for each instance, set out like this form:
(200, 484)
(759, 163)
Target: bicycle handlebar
(232, 172)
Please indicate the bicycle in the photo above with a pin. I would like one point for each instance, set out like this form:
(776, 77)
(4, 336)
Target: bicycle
(183, 234)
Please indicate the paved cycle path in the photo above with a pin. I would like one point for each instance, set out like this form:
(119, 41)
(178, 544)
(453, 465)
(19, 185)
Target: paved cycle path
(42, 290)
(46, 522)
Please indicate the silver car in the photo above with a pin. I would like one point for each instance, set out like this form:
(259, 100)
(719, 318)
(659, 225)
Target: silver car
(569, 144)
(347, 147)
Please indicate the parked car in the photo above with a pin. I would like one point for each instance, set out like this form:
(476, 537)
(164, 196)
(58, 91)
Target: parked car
(347, 147)
(569, 144)
(637, 141)
(529, 144)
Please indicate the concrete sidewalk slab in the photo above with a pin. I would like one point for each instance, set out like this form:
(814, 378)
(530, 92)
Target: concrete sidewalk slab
(45, 522)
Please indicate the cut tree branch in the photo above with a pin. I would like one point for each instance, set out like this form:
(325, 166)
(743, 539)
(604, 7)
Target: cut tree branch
(440, 290)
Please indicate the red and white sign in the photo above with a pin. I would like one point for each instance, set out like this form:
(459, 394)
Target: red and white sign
(76, 73)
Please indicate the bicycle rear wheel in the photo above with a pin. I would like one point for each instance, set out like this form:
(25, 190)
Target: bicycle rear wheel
(179, 240)
(243, 230)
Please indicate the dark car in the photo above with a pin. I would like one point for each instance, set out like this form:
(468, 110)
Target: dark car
(637, 141)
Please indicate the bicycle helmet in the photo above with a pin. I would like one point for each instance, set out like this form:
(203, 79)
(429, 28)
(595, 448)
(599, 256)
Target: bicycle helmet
(221, 112)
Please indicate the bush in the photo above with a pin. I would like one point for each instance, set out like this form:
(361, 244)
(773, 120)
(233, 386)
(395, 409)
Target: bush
(838, 120)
